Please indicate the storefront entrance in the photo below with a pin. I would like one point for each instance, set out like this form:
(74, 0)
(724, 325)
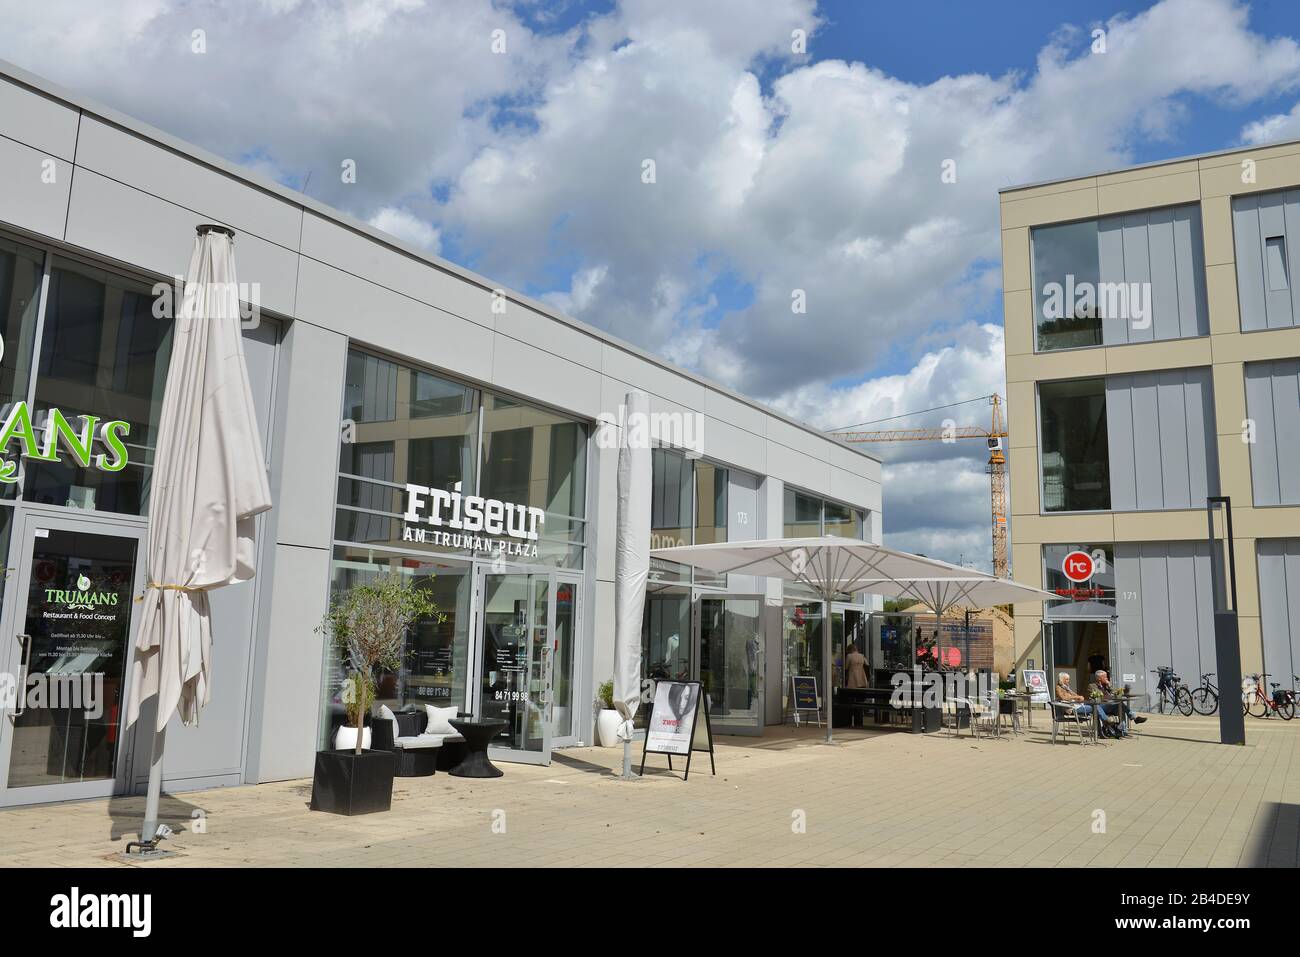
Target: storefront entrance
(69, 607)
(1078, 645)
(526, 652)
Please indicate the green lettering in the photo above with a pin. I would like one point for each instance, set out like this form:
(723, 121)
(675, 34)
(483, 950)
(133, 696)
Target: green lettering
(112, 434)
(19, 425)
(79, 444)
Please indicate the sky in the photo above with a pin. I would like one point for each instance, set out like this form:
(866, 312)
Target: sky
(797, 147)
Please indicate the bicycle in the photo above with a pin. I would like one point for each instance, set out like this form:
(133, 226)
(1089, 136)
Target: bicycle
(1205, 699)
(1171, 689)
(1258, 704)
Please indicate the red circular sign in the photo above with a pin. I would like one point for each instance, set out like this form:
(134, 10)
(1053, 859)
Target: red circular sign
(1078, 566)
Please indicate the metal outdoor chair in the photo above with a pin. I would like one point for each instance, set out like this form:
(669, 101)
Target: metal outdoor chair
(984, 716)
(1065, 719)
(953, 708)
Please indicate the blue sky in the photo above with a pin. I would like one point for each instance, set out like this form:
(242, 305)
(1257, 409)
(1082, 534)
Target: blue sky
(780, 177)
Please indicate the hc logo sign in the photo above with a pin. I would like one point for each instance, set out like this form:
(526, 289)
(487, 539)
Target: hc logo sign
(1078, 566)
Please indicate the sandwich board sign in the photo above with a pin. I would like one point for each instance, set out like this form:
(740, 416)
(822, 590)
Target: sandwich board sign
(803, 691)
(1036, 685)
(678, 724)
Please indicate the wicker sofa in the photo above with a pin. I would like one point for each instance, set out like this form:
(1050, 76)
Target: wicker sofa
(418, 754)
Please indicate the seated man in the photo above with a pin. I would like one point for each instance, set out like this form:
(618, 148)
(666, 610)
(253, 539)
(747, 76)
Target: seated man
(1065, 693)
(1112, 705)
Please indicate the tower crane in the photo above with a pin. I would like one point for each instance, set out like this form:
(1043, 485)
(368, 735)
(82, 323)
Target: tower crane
(996, 469)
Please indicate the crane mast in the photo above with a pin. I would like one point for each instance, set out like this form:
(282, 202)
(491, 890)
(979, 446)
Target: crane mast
(996, 468)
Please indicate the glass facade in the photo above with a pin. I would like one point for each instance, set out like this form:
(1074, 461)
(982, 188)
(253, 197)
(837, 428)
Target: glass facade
(808, 516)
(405, 425)
(1075, 445)
(434, 657)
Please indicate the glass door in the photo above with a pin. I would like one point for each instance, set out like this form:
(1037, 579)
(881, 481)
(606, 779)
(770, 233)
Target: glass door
(69, 617)
(564, 670)
(730, 641)
(517, 651)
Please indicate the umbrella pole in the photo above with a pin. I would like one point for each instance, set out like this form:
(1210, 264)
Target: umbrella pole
(826, 663)
(150, 827)
(627, 760)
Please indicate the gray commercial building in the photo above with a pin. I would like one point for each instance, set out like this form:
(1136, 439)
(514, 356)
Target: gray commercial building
(374, 367)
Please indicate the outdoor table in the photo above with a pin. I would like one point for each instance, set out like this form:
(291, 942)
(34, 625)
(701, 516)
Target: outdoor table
(477, 733)
(1017, 696)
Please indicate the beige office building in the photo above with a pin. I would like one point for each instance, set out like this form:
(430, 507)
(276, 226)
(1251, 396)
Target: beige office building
(1152, 344)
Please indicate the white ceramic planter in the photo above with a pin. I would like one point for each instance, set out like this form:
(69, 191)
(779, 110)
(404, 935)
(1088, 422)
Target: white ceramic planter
(345, 738)
(607, 722)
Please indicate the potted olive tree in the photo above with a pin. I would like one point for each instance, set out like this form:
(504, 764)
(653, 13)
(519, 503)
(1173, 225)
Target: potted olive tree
(367, 624)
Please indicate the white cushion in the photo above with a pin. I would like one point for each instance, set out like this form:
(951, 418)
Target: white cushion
(438, 718)
(418, 741)
(387, 712)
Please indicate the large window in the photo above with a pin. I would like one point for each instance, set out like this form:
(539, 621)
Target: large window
(807, 516)
(406, 425)
(1135, 277)
(538, 458)
(1075, 449)
(1065, 257)
(434, 655)
(102, 353)
(671, 499)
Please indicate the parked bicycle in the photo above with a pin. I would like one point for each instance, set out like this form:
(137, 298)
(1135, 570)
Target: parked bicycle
(1205, 699)
(1171, 689)
(1260, 704)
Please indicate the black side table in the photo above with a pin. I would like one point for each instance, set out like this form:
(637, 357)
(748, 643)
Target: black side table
(477, 734)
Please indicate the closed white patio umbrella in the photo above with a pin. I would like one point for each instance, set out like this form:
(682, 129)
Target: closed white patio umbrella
(631, 564)
(208, 484)
(828, 565)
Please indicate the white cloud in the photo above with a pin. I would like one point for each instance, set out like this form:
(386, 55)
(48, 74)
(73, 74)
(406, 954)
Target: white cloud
(825, 177)
(407, 227)
(1273, 129)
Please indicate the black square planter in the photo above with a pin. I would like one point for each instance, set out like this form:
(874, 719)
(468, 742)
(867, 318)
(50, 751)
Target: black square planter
(349, 783)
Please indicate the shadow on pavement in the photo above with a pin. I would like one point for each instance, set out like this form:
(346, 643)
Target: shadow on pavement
(126, 814)
(1274, 838)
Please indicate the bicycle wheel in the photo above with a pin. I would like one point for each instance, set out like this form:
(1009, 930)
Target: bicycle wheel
(1183, 700)
(1286, 709)
(1205, 701)
(1258, 706)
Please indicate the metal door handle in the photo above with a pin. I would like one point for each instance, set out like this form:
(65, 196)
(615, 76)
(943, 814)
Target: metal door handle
(25, 642)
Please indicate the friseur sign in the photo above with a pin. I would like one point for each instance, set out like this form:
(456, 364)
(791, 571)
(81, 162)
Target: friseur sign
(59, 434)
(476, 524)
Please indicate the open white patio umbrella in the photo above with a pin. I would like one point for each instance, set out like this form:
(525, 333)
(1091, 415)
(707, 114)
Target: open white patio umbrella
(631, 564)
(208, 483)
(941, 595)
(828, 565)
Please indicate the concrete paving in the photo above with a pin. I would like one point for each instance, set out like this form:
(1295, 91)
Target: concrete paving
(1171, 797)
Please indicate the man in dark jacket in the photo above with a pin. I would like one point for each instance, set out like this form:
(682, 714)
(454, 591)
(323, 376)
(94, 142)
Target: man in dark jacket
(1112, 704)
